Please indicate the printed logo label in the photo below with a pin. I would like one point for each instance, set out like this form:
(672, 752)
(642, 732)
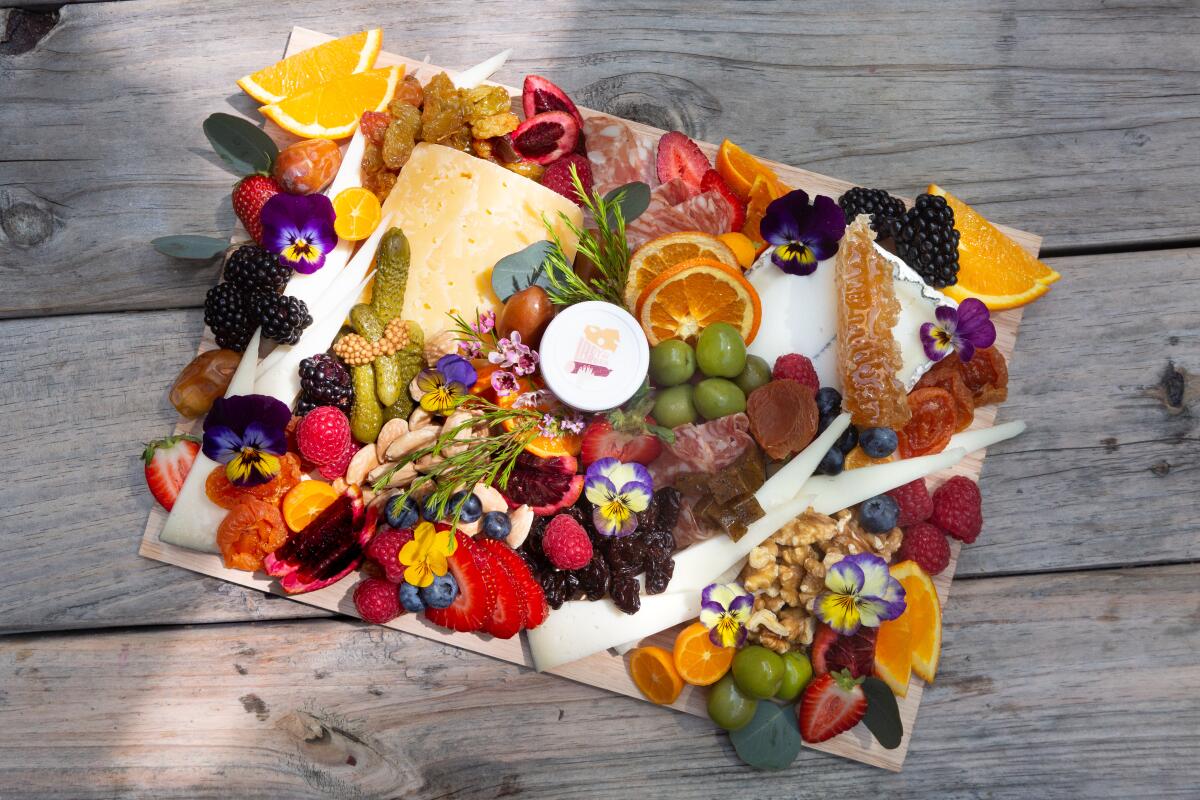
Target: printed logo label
(594, 350)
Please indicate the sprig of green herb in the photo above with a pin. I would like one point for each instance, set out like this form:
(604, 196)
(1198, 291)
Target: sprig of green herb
(607, 249)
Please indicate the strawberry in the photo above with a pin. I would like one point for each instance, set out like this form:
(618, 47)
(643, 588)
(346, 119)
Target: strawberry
(713, 182)
(528, 589)
(508, 612)
(680, 157)
(167, 464)
(476, 592)
(832, 703)
(249, 196)
(622, 436)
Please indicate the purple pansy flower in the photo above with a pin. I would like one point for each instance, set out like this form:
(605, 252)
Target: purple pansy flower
(447, 384)
(802, 234)
(246, 434)
(859, 591)
(300, 229)
(725, 610)
(618, 491)
(963, 330)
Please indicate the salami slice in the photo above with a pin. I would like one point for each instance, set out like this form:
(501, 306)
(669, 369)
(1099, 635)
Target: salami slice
(706, 448)
(708, 212)
(618, 155)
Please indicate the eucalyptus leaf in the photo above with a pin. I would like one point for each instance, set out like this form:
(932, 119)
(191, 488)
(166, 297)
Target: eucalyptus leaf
(521, 269)
(197, 248)
(244, 146)
(771, 740)
(883, 713)
(634, 201)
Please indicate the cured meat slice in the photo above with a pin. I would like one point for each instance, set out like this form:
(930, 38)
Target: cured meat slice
(707, 212)
(705, 448)
(618, 155)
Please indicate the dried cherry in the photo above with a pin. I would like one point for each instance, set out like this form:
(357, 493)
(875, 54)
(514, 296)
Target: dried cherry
(934, 416)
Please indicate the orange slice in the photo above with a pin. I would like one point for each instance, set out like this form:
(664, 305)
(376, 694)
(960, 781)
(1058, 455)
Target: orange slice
(653, 671)
(312, 67)
(305, 501)
(694, 294)
(331, 110)
(991, 266)
(567, 444)
(658, 255)
(893, 654)
(741, 246)
(858, 458)
(357, 213)
(924, 613)
(762, 192)
(699, 661)
(740, 169)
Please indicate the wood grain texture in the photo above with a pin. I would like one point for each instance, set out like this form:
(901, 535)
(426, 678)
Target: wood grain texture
(1012, 109)
(1099, 701)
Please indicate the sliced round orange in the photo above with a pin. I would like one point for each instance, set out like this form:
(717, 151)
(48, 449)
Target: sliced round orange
(305, 502)
(331, 110)
(739, 169)
(694, 294)
(312, 67)
(924, 613)
(356, 213)
(699, 661)
(658, 255)
(991, 266)
(893, 654)
(653, 672)
(762, 192)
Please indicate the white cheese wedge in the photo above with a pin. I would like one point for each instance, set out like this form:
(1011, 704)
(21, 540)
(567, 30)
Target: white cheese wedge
(194, 518)
(792, 476)
(461, 215)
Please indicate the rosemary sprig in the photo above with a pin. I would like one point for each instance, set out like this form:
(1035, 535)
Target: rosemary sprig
(607, 248)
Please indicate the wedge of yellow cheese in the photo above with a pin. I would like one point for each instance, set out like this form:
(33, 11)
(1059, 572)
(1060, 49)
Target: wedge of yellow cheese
(461, 215)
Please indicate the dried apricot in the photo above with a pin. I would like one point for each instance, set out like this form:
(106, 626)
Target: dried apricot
(949, 377)
(783, 417)
(986, 375)
(932, 424)
(250, 531)
(226, 495)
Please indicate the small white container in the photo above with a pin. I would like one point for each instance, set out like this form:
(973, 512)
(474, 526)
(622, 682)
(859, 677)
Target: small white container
(594, 356)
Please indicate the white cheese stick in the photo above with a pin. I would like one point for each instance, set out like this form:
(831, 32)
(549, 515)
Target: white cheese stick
(789, 480)
(471, 77)
(977, 440)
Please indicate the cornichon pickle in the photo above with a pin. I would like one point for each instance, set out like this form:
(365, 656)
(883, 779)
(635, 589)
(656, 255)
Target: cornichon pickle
(366, 415)
(391, 275)
(387, 368)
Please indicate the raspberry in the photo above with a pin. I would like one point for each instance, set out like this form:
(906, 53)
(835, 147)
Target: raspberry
(384, 550)
(796, 367)
(958, 509)
(324, 435)
(566, 543)
(337, 468)
(377, 600)
(915, 503)
(926, 545)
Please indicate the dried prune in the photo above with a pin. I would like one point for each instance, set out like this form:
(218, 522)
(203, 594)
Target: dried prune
(658, 575)
(627, 553)
(594, 578)
(626, 593)
(554, 587)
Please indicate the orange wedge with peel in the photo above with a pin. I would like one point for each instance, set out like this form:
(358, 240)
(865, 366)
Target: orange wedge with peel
(658, 255)
(305, 501)
(740, 169)
(653, 672)
(357, 213)
(924, 612)
(893, 654)
(694, 294)
(991, 266)
(331, 110)
(697, 660)
(762, 192)
(741, 246)
(565, 444)
(312, 67)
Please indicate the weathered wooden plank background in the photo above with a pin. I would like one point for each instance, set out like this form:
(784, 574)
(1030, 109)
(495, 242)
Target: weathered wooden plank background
(1073, 677)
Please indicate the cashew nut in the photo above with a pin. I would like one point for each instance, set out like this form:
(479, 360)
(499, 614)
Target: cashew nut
(392, 430)
(521, 519)
(411, 442)
(363, 462)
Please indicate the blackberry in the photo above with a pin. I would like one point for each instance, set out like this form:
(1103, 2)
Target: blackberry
(229, 316)
(886, 212)
(324, 381)
(255, 269)
(928, 242)
(283, 317)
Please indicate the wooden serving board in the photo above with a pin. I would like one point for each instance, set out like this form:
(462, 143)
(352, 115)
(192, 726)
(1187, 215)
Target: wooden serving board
(606, 670)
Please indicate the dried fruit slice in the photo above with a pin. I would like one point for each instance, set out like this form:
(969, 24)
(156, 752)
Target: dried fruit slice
(331, 110)
(226, 495)
(949, 376)
(312, 67)
(740, 169)
(713, 182)
(658, 255)
(934, 416)
(783, 417)
(694, 294)
(546, 137)
(250, 531)
(680, 157)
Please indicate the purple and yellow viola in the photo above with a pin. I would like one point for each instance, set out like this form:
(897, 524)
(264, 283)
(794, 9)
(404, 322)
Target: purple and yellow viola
(859, 591)
(963, 330)
(725, 609)
(802, 233)
(246, 433)
(447, 384)
(618, 491)
(300, 229)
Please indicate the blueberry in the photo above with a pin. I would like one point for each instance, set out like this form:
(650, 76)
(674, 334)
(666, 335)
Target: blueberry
(430, 510)
(496, 525)
(878, 514)
(402, 512)
(832, 462)
(469, 506)
(847, 440)
(440, 593)
(829, 401)
(410, 598)
(878, 442)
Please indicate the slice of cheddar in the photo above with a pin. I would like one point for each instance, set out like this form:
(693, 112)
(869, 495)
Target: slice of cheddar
(461, 215)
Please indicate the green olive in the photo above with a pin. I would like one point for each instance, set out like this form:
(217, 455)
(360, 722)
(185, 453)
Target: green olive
(671, 363)
(720, 351)
(756, 374)
(718, 397)
(674, 407)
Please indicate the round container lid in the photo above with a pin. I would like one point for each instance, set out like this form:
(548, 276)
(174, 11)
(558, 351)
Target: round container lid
(594, 356)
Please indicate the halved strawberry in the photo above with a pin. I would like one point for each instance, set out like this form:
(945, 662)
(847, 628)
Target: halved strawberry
(712, 181)
(476, 592)
(626, 442)
(831, 651)
(680, 157)
(533, 599)
(832, 703)
(168, 462)
(508, 612)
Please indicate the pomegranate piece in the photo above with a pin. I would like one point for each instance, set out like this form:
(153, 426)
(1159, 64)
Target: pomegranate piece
(539, 95)
(546, 137)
